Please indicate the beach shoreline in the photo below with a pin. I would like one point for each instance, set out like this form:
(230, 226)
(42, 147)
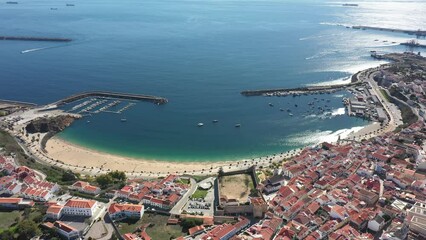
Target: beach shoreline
(91, 161)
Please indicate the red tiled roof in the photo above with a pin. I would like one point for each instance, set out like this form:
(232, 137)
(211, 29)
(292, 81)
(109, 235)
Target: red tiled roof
(54, 209)
(195, 229)
(115, 207)
(77, 203)
(10, 200)
(64, 227)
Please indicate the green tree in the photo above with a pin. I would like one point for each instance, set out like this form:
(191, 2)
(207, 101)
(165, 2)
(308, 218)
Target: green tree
(104, 180)
(68, 176)
(27, 229)
(117, 175)
(6, 235)
(188, 223)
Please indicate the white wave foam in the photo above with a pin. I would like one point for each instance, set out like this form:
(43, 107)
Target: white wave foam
(312, 138)
(321, 54)
(344, 80)
(339, 111)
(334, 24)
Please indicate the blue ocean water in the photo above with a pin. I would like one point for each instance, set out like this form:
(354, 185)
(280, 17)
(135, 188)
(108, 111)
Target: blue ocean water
(199, 55)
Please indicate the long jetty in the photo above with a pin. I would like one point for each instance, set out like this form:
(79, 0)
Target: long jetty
(127, 96)
(298, 90)
(420, 33)
(46, 39)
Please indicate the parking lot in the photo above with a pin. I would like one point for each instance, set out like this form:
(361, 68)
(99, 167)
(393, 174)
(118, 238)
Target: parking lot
(202, 206)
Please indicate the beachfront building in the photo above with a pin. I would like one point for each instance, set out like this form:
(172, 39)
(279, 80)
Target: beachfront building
(78, 207)
(121, 211)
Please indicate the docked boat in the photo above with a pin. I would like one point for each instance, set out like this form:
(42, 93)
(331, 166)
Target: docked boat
(200, 124)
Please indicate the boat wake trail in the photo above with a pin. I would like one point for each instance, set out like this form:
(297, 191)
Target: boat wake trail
(51, 47)
(33, 50)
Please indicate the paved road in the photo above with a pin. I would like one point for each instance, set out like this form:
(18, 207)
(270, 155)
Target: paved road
(178, 207)
(101, 230)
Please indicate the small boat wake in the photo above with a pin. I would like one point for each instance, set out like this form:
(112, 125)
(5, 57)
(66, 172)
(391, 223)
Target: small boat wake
(51, 47)
(32, 50)
(39, 49)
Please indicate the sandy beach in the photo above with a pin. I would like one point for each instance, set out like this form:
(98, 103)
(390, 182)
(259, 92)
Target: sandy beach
(80, 159)
(89, 161)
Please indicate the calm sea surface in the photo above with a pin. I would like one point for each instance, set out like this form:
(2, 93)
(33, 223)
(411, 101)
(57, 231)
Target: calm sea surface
(199, 55)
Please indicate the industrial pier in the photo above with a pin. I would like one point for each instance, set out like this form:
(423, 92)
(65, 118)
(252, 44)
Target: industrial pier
(127, 96)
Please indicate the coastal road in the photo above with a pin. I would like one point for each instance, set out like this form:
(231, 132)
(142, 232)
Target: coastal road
(389, 108)
(178, 207)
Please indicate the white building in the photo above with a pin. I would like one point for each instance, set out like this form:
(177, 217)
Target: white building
(119, 211)
(80, 207)
(417, 218)
(376, 224)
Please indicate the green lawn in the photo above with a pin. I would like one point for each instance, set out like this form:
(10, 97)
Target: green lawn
(158, 230)
(183, 181)
(7, 219)
(199, 193)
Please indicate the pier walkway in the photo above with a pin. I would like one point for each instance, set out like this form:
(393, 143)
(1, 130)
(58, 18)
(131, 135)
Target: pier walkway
(127, 96)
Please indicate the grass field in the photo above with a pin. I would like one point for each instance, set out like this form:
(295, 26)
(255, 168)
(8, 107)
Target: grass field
(199, 193)
(158, 230)
(7, 219)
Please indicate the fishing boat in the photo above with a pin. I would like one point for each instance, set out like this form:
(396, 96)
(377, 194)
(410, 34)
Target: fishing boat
(200, 124)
